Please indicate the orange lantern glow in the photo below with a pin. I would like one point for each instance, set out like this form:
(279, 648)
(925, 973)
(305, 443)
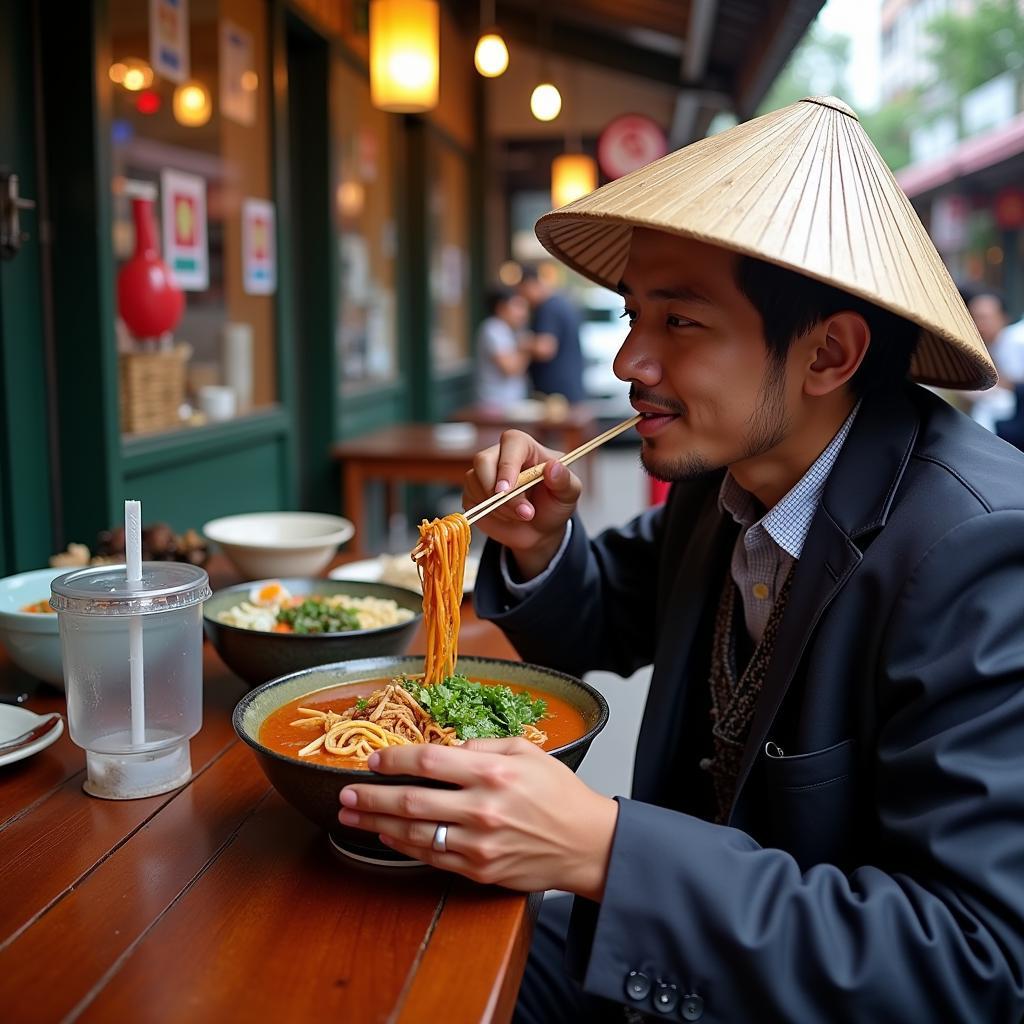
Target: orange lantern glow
(404, 55)
(572, 175)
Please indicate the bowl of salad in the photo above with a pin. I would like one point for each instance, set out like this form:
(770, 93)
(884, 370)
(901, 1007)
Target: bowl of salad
(273, 627)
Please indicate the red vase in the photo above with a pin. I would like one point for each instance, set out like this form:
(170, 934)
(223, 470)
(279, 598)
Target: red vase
(147, 299)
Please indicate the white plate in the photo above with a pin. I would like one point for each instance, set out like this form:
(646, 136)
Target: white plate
(13, 722)
(371, 570)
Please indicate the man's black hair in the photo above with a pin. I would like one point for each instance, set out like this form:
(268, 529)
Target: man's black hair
(790, 304)
(497, 296)
(530, 272)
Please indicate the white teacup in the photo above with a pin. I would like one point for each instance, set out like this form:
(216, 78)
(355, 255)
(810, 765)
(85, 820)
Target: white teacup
(218, 401)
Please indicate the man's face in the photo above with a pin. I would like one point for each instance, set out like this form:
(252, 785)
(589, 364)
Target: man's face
(696, 357)
(988, 317)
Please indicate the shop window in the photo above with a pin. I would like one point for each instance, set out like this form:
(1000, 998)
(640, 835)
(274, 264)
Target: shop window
(365, 232)
(448, 225)
(191, 155)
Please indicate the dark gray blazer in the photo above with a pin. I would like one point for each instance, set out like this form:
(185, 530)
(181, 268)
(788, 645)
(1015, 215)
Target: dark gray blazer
(875, 872)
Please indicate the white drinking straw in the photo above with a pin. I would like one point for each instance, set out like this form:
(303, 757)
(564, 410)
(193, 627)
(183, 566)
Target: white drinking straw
(133, 553)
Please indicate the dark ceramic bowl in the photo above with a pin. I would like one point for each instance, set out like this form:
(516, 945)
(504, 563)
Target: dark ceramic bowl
(257, 656)
(313, 788)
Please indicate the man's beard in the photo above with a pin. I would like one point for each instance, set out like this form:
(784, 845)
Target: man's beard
(769, 423)
(687, 467)
(768, 427)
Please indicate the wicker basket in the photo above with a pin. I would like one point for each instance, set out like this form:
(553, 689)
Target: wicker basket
(152, 389)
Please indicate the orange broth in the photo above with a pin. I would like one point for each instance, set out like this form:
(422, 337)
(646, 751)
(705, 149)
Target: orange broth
(563, 723)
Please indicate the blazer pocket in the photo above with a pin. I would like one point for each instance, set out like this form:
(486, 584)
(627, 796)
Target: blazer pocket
(813, 802)
(817, 768)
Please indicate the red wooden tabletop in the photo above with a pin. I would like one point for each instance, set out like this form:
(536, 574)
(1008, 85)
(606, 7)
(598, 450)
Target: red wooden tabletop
(220, 902)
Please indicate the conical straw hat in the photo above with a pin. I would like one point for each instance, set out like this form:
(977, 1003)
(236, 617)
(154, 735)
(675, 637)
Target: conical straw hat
(802, 187)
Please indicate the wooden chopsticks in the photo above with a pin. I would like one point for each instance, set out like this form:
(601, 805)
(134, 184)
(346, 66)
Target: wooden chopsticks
(530, 476)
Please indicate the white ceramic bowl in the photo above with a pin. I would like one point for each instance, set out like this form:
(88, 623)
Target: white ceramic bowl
(32, 638)
(263, 545)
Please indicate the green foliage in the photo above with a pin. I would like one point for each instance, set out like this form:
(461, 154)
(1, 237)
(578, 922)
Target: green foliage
(969, 49)
(817, 67)
(889, 129)
(477, 710)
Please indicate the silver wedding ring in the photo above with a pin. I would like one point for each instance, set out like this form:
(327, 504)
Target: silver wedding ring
(440, 842)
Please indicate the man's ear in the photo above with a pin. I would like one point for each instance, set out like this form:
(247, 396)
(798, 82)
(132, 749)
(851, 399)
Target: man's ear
(839, 344)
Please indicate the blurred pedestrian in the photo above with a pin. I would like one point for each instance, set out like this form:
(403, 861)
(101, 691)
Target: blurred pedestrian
(556, 325)
(988, 310)
(1005, 341)
(503, 349)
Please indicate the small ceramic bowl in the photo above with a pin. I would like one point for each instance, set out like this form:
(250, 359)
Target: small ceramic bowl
(257, 656)
(313, 788)
(268, 544)
(32, 638)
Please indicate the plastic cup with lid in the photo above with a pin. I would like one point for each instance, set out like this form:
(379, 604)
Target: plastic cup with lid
(96, 608)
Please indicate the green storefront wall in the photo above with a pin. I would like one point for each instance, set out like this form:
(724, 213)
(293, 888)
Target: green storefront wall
(26, 524)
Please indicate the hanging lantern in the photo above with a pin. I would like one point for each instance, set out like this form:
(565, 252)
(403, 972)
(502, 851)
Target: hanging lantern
(491, 56)
(546, 102)
(404, 55)
(572, 175)
(192, 104)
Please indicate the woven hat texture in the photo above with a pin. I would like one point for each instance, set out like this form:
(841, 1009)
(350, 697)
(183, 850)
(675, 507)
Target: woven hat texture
(804, 188)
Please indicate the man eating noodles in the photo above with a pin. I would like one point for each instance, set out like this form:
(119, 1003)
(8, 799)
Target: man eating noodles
(828, 801)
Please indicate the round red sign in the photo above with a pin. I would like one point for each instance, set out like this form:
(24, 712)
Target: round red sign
(629, 142)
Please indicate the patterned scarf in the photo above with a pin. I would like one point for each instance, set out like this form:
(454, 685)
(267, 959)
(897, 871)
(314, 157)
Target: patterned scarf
(734, 696)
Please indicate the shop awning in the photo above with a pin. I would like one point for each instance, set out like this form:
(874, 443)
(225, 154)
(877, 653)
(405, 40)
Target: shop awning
(969, 157)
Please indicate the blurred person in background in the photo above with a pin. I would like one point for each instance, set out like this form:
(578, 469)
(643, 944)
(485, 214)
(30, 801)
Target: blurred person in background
(1006, 346)
(505, 350)
(1005, 341)
(556, 325)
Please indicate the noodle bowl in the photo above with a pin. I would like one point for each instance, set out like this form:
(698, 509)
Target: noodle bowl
(576, 714)
(341, 726)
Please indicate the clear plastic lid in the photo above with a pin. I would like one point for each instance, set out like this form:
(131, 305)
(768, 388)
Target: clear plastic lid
(105, 590)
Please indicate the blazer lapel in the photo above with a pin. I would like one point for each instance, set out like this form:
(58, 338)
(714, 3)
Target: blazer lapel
(694, 584)
(856, 501)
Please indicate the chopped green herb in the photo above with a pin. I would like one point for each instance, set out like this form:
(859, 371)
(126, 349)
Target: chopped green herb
(315, 615)
(477, 710)
(362, 703)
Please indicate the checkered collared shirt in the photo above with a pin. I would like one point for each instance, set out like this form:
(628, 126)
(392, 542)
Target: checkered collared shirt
(768, 545)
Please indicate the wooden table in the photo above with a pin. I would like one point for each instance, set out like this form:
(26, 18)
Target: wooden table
(419, 453)
(564, 432)
(410, 453)
(219, 902)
